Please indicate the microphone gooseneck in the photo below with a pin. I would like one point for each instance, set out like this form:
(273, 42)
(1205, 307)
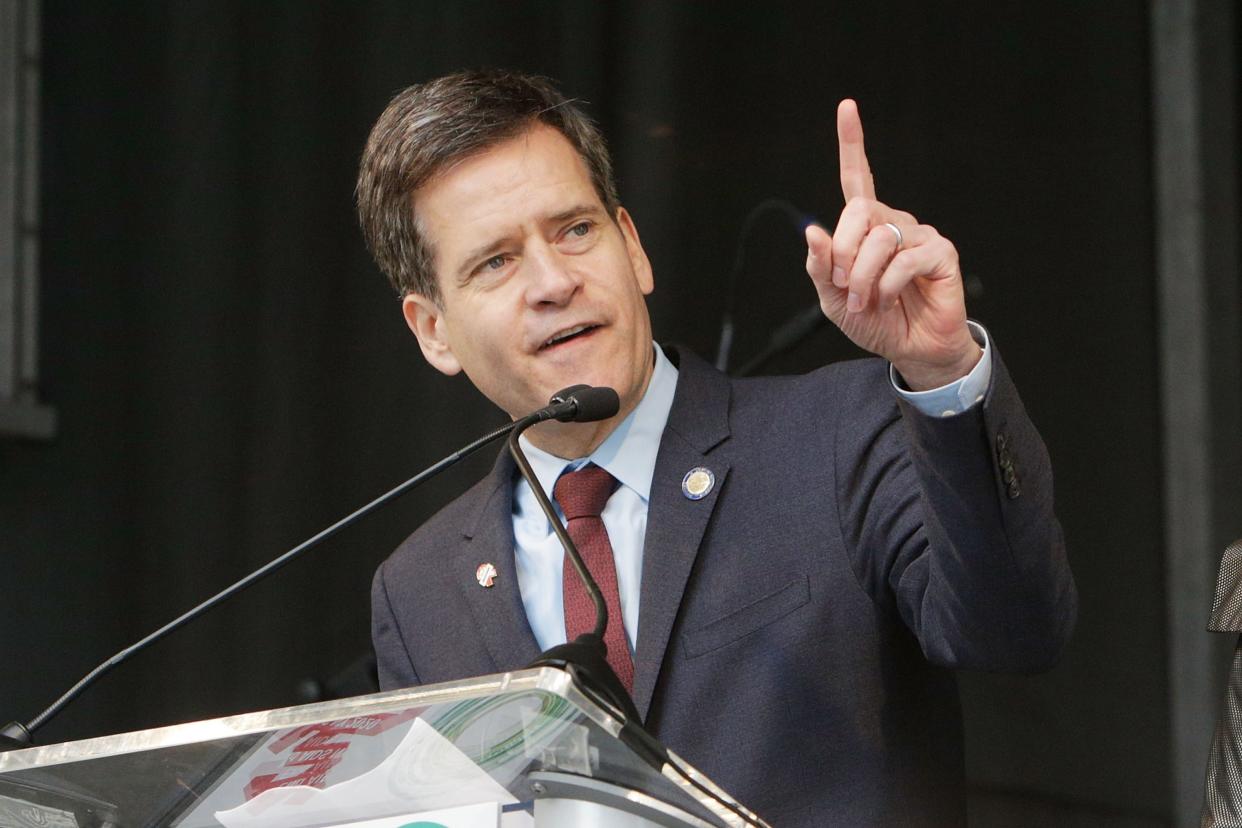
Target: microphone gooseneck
(584, 658)
(587, 655)
(15, 735)
(579, 404)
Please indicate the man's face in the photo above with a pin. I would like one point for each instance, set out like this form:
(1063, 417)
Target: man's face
(539, 287)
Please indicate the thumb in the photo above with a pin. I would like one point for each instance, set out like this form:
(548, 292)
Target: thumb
(819, 268)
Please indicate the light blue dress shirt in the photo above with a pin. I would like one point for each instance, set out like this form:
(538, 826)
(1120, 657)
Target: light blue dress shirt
(629, 455)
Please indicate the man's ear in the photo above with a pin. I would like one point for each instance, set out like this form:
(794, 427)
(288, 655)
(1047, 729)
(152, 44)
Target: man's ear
(427, 322)
(639, 262)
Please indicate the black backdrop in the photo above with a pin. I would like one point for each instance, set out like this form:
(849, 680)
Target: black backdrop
(232, 373)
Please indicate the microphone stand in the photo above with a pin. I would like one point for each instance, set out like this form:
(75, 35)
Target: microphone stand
(586, 657)
(15, 735)
(587, 654)
(577, 401)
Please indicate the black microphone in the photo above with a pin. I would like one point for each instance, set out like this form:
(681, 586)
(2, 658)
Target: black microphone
(575, 404)
(578, 403)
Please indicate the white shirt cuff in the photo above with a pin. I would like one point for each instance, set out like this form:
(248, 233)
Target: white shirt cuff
(956, 397)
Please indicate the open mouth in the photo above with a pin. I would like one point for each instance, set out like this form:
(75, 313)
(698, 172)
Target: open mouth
(568, 335)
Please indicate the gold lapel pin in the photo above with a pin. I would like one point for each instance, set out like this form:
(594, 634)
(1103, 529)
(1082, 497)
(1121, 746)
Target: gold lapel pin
(698, 483)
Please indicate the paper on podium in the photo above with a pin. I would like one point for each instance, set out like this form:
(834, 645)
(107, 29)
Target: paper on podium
(425, 772)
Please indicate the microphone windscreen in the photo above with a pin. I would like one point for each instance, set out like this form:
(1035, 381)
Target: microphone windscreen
(598, 403)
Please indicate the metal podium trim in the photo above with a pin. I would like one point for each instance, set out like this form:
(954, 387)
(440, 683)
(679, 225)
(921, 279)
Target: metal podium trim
(545, 678)
(554, 785)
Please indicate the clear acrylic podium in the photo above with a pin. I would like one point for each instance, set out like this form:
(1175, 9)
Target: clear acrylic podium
(525, 748)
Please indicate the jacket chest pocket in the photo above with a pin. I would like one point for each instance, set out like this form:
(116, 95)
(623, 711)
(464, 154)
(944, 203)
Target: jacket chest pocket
(747, 619)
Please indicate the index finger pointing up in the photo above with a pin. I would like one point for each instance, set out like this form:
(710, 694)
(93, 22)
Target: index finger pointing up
(855, 171)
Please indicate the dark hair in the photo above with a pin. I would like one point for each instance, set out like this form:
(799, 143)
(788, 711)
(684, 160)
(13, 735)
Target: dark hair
(428, 128)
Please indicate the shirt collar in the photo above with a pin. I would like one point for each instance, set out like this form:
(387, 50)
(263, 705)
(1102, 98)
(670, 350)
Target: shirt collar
(629, 453)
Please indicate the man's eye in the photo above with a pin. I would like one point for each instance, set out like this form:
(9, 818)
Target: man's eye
(494, 263)
(581, 228)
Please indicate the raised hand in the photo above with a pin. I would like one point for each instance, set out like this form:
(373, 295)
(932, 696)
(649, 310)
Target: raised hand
(892, 285)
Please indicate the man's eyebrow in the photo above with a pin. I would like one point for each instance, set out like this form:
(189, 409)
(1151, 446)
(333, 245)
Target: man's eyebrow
(576, 210)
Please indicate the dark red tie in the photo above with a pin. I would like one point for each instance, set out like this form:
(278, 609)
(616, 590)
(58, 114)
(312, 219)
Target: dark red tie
(582, 495)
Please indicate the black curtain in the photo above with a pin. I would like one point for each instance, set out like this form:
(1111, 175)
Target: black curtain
(232, 373)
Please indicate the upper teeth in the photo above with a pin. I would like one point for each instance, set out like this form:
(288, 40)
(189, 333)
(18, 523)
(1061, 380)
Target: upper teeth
(567, 333)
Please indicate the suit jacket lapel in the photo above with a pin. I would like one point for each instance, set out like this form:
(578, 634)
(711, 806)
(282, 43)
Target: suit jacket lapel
(488, 538)
(697, 423)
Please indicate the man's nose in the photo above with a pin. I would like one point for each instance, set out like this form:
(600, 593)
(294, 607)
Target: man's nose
(550, 279)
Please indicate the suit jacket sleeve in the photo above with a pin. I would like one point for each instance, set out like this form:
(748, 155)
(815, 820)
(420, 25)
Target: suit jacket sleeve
(950, 520)
(392, 657)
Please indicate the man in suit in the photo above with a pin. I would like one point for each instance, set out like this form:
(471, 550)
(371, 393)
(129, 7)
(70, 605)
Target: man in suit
(794, 565)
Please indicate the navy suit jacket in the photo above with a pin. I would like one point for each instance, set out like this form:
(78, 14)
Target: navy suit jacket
(800, 625)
